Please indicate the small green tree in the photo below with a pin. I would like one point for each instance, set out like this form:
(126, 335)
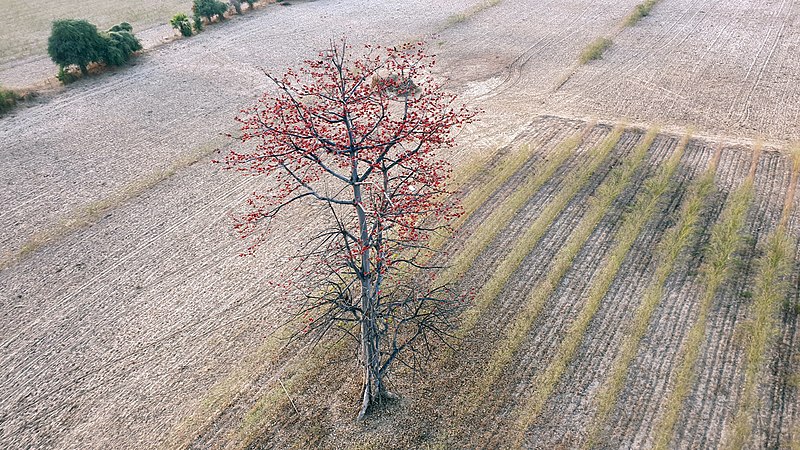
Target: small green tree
(209, 9)
(181, 23)
(120, 45)
(75, 42)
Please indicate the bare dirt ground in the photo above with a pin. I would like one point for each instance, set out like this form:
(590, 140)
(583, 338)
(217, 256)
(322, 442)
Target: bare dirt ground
(119, 332)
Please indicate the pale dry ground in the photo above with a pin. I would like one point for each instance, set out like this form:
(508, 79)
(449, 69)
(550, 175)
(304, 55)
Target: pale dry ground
(113, 334)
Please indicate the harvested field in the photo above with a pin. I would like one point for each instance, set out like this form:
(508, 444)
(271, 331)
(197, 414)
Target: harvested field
(633, 249)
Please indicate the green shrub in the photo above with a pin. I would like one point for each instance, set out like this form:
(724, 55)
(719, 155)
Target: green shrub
(124, 26)
(250, 3)
(8, 100)
(181, 23)
(237, 6)
(198, 23)
(66, 76)
(75, 42)
(641, 10)
(209, 9)
(120, 45)
(595, 50)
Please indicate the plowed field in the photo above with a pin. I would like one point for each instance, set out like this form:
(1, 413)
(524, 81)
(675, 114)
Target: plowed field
(631, 235)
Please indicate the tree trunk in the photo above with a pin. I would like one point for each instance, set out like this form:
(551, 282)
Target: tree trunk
(84, 70)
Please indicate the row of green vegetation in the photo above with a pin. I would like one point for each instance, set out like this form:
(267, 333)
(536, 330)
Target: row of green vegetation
(644, 208)
(675, 242)
(8, 100)
(720, 258)
(761, 329)
(641, 11)
(596, 48)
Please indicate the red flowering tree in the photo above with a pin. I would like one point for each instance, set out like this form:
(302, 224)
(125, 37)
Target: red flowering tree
(359, 136)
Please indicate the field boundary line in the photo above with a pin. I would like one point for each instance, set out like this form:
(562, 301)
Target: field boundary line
(633, 221)
(90, 214)
(674, 242)
(720, 254)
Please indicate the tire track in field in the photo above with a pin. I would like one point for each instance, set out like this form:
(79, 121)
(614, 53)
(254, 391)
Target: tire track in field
(601, 362)
(750, 68)
(639, 400)
(93, 334)
(599, 81)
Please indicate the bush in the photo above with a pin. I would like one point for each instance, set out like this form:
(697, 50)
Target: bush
(237, 5)
(120, 45)
(75, 42)
(198, 23)
(181, 23)
(250, 3)
(8, 100)
(209, 9)
(595, 50)
(65, 76)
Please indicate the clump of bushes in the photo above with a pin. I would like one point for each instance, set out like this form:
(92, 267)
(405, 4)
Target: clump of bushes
(595, 50)
(8, 100)
(79, 43)
(181, 23)
(237, 6)
(209, 9)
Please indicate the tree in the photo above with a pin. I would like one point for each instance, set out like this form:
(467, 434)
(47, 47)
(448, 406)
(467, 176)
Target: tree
(360, 137)
(120, 44)
(250, 3)
(78, 42)
(181, 23)
(75, 42)
(209, 9)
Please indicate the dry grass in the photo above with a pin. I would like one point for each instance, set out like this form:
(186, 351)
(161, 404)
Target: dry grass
(633, 222)
(640, 11)
(509, 165)
(534, 302)
(726, 241)
(487, 295)
(505, 211)
(595, 50)
(674, 242)
(462, 17)
(761, 328)
(97, 210)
